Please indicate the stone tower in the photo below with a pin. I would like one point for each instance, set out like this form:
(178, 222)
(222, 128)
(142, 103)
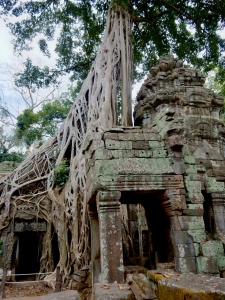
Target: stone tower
(174, 102)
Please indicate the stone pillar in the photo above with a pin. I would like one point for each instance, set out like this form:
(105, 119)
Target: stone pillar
(112, 268)
(218, 201)
(95, 244)
(173, 202)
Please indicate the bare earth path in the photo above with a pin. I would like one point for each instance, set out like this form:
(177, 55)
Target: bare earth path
(25, 298)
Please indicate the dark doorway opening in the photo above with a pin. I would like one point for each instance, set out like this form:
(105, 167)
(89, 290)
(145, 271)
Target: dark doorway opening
(153, 241)
(208, 214)
(29, 249)
(55, 248)
(160, 243)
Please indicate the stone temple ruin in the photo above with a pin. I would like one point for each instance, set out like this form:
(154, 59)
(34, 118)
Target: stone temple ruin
(155, 192)
(166, 174)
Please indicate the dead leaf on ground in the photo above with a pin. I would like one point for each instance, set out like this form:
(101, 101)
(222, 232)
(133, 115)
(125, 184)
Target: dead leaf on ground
(123, 287)
(106, 286)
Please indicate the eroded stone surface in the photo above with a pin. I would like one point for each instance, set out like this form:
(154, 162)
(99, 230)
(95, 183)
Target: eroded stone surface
(175, 155)
(112, 292)
(67, 295)
(170, 286)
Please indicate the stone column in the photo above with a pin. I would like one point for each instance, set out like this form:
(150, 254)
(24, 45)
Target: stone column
(95, 244)
(112, 268)
(218, 201)
(173, 202)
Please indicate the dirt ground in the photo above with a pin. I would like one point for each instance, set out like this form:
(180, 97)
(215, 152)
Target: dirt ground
(33, 290)
(26, 291)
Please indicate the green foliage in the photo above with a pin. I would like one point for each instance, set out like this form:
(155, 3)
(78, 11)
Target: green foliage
(182, 27)
(5, 155)
(43, 124)
(34, 77)
(1, 247)
(61, 173)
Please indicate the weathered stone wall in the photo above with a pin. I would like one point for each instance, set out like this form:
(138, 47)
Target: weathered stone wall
(175, 152)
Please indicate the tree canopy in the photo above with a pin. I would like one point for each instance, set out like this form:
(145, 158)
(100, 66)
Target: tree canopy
(38, 126)
(187, 29)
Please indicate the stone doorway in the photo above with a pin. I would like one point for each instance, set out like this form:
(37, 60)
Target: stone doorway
(26, 254)
(149, 230)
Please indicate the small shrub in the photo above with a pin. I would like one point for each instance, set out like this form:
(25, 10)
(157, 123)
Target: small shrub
(61, 173)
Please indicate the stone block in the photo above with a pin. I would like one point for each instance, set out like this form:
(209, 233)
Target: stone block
(156, 144)
(143, 153)
(115, 129)
(218, 195)
(185, 264)
(191, 222)
(177, 165)
(197, 236)
(193, 186)
(69, 295)
(193, 212)
(159, 153)
(221, 263)
(151, 136)
(140, 145)
(112, 292)
(95, 144)
(184, 250)
(213, 186)
(131, 136)
(175, 225)
(194, 206)
(89, 138)
(207, 265)
(185, 149)
(190, 169)
(180, 237)
(189, 159)
(197, 248)
(212, 248)
(103, 154)
(139, 136)
(117, 145)
(195, 198)
(140, 287)
(132, 166)
(193, 177)
(110, 136)
(219, 213)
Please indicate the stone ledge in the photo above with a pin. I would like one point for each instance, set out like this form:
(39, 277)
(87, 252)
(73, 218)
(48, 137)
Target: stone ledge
(170, 285)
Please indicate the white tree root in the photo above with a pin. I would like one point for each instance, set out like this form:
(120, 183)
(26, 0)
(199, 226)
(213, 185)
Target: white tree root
(94, 110)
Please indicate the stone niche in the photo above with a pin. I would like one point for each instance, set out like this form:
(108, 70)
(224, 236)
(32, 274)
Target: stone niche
(156, 190)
